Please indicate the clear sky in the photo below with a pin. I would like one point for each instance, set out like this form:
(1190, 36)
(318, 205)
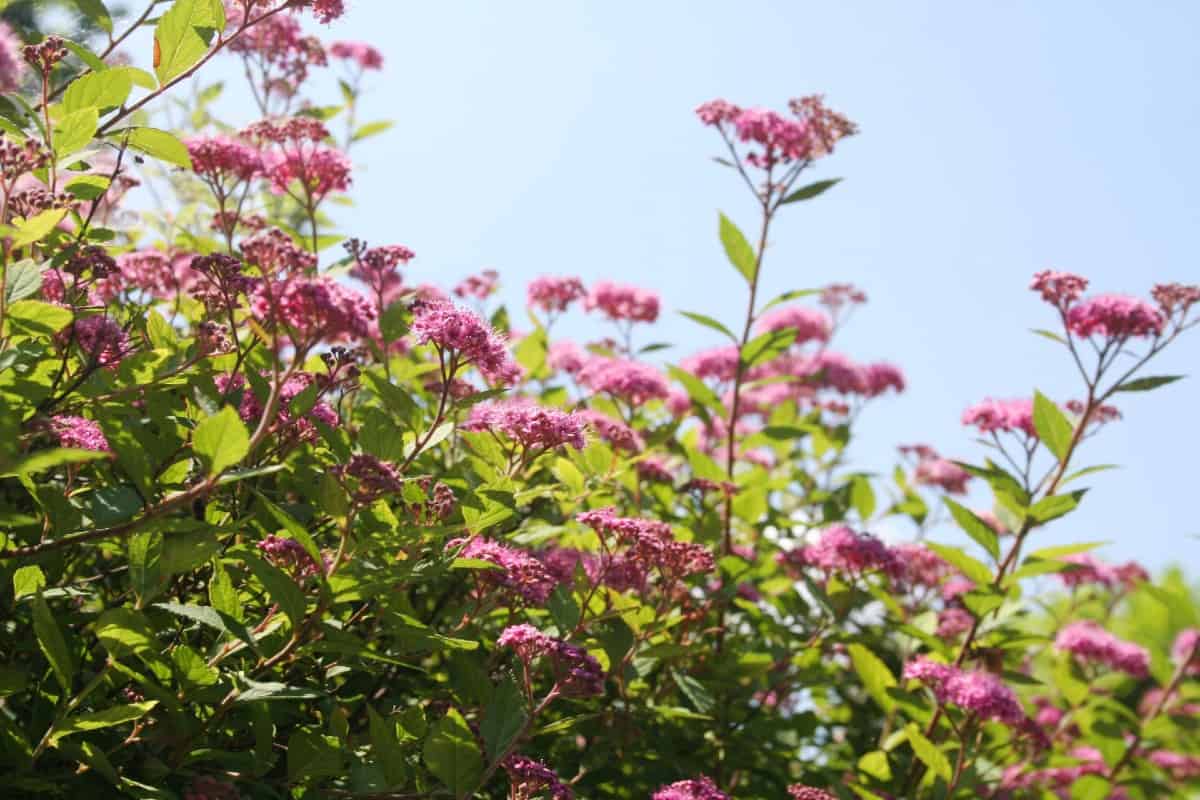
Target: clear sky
(997, 139)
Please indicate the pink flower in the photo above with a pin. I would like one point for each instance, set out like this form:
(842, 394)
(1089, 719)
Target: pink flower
(992, 416)
(1059, 289)
(160, 275)
(978, 692)
(326, 11)
(102, 341)
(286, 130)
(314, 309)
(615, 432)
(701, 788)
(466, 337)
(1173, 297)
(1181, 766)
(374, 478)
(534, 427)
(278, 43)
(363, 54)
(12, 65)
(656, 469)
(318, 169)
(1087, 641)
(620, 302)
(810, 324)
(956, 587)
(946, 475)
(651, 544)
(220, 157)
(577, 672)
(378, 268)
(531, 778)
(840, 549)
(80, 433)
(719, 363)
(480, 287)
(836, 295)
(521, 573)
(717, 112)
(1186, 650)
(251, 410)
(1086, 568)
(1114, 316)
(290, 556)
(954, 622)
(679, 403)
(801, 792)
(919, 565)
(566, 356)
(631, 381)
(880, 377)
(554, 294)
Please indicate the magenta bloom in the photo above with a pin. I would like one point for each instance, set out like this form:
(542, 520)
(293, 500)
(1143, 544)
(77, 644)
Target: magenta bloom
(375, 478)
(1087, 641)
(378, 268)
(361, 53)
(102, 341)
(719, 363)
(554, 294)
(534, 427)
(801, 792)
(80, 433)
(810, 324)
(631, 381)
(1115, 316)
(519, 572)
(1186, 650)
(314, 309)
(290, 556)
(978, 692)
(620, 302)
(466, 337)
(276, 253)
(250, 409)
(919, 565)
(218, 158)
(946, 475)
(531, 778)
(1059, 289)
(993, 416)
(701, 788)
(655, 468)
(577, 672)
(1181, 766)
(12, 64)
(319, 169)
(840, 549)
(1175, 297)
(566, 356)
(1087, 569)
(954, 622)
(479, 287)
(651, 543)
(615, 432)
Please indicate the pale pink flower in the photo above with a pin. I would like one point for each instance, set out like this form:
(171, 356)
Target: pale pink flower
(361, 53)
(993, 416)
(554, 294)
(1087, 641)
(632, 381)
(718, 363)
(12, 65)
(620, 302)
(810, 324)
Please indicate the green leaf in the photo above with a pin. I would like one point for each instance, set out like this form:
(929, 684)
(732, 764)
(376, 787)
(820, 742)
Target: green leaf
(1148, 383)
(738, 250)
(24, 278)
(193, 671)
(1063, 550)
(1055, 506)
(99, 90)
(88, 187)
(161, 145)
(182, 36)
(101, 719)
(49, 459)
(371, 129)
(972, 568)
(811, 191)
(270, 690)
(786, 296)
(145, 565)
(312, 755)
(1087, 471)
(928, 752)
(221, 592)
(28, 581)
(874, 674)
(709, 322)
(1052, 425)
(36, 318)
(86, 56)
(1090, 787)
(694, 691)
(279, 585)
(452, 756)
(52, 643)
(221, 440)
(862, 497)
(74, 131)
(386, 747)
(96, 12)
(976, 528)
(294, 529)
(503, 719)
(1054, 337)
(37, 227)
(766, 346)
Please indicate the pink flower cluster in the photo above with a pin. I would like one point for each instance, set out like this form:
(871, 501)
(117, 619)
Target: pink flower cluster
(479, 287)
(374, 478)
(566, 356)
(719, 363)
(945, 475)
(554, 294)
(1175, 297)
(290, 556)
(1186, 650)
(1002, 416)
(318, 169)
(219, 158)
(631, 381)
(377, 268)
(576, 671)
(920, 566)
(102, 341)
(534, 427)
(615, 432)
(800, 792)
(12, 65)
(520, 573)
(840, 549)
(250, 409)
(530, 778)
(810, 324)
(650, 543)
(836, 372)
(274, 252)
(364, 55)
(812, 131)
(1059, 289)
(279, 46)
(466, 337)
(1114, 316)
(979, 692)
(1181, 766)
(1087, 569)
(620, 302)
(701, 788)
(314, 309)
(1087, 641)
(80, 433)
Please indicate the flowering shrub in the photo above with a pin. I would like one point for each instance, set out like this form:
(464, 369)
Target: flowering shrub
(278, 523)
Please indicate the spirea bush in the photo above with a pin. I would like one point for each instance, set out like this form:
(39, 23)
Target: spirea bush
(277, 522)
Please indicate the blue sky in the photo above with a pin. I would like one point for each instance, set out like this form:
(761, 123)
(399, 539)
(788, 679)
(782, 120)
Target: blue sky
(997, 139)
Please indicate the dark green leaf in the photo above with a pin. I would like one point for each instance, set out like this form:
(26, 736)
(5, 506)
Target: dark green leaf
(101, 719)
(811, 191)
(1148, 383)
(452, 756)
(503, 719)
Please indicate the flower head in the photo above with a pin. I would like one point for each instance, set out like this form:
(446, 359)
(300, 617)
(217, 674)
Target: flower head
(620, 302)
(978, 692)
(462, 332)
(1087, 641)
(79, 432)
(810, 324)
(992, 416)
(519, 572)
(1114, 316)
(364, 55)
(1186, 650)
(701, 788)
(1059, 289)
(534, 427)
(531, 778)
(631, 381)
(12, 65)
(554, 294)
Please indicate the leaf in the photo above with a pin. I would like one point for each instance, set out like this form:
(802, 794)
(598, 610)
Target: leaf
(928, 752)
(1055, 506)
(37, 227)
(23, 278)
(737, 249)
(386, 748)
(96, 12)
(294, 529)
(161, 145)
(88, 187)
(182, 35)
(28, 581)
(312, 755)
(221, 440)
(270, 690)
(1063, 550)
(52, 643)
(810, 191)
(1052, 425)
(976, 528)
(1087, 471)
(972, 568)
(503, 719)
(452, 756)
(101, 719)
(786, 296)
(862, 497)
(214, 618)
(874, 674)
(694, 691)
(279, 585)
(74, 131)
(767, 346)
(48, 459)
(85, 55)
(371, 129)
(709, 322)
(563, 610)
(1148, 383)
(193, 671)
(1054, 337)
(145, 565)
(36, 318)
(99, 90)
(1090, 787)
